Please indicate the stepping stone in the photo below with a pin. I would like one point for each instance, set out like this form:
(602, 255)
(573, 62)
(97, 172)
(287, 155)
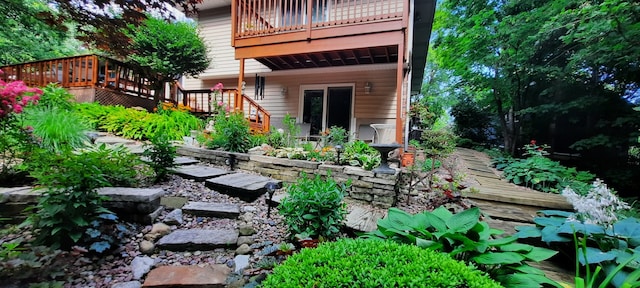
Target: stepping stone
(126, 194)
(114, 140)
(208, 209)
(199, 239)
(181, 160)
(364, 219)
(187, 276)
(18, 194)
(247, 187)
(178, 161)
(198, 172)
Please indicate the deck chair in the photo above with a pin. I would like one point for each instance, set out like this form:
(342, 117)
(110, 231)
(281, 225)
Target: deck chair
(366, 133)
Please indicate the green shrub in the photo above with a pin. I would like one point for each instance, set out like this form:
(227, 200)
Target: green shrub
(368, 263)
(291, 131)
(463, 236)
(54, 96)
(135, 124)
(161, 154)
(543, 174)
(314, 207)
(276, 139)
(337, 135)
(57, 129)
(118, 165)
(69, 201)
(231, 133)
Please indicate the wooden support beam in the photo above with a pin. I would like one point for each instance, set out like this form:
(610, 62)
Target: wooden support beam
(399, 86)
(238, 97)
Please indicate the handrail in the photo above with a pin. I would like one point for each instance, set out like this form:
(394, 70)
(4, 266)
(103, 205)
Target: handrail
(81, 71)
(263, 17)
(201, 101)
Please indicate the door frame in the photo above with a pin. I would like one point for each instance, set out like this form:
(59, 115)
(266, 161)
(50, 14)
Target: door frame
(325, 98)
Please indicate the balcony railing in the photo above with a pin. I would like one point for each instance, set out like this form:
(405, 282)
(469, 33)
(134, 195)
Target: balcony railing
(263, 17)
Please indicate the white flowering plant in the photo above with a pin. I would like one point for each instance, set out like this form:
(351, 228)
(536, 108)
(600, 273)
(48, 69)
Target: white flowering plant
(596, 223)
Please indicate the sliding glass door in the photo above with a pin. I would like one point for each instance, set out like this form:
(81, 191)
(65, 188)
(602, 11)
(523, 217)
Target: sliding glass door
(326, 106)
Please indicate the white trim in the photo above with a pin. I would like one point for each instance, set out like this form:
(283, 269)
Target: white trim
(325, 98)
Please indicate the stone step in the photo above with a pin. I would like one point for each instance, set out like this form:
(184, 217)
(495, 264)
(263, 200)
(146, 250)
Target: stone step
(247, 187)
(178, 161)
(187, 276)
(111, 140)
(208, 209)
(199, 172)
(199, 239)
(363, 218)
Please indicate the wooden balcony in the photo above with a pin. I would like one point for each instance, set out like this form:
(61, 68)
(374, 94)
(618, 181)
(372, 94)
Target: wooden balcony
(290, 34)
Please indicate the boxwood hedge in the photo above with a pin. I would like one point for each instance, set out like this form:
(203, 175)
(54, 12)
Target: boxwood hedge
(374, 263)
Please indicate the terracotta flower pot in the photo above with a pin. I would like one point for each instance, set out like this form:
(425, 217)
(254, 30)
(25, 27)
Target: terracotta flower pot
(407, 159)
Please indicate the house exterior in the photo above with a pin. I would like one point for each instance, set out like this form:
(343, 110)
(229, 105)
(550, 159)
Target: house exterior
(347, 63)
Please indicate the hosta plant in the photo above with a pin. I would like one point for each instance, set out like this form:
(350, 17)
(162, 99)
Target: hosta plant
(314, 207)
(463, 236)
(605, 240)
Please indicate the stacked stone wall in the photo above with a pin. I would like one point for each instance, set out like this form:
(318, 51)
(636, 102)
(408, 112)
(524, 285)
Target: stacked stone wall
(374, 188)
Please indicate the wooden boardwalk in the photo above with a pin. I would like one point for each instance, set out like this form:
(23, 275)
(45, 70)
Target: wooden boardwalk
(508, 205)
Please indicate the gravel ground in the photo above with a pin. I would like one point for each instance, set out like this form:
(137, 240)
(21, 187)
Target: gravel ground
(78, 270)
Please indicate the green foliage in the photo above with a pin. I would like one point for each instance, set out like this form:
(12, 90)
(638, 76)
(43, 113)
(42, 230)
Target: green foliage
(276, 139)
(367, 263)
(291, 131)
(19, 261)
(463, 236)
(118, 165)
(314, 207)
(606, 247)
(231, 133)
(15, 143)
(359, 153)
(438, 143)
(337, 136)
(161, 154)
(543, 174)
(31, 32)
(139, 125)
(54, 96)
(106, 233)
(57, 129)
(69, 201)
(471, 121)
(166, 50)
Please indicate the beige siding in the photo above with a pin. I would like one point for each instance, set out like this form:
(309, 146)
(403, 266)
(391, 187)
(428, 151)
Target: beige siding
(215, 27)
(379, 106)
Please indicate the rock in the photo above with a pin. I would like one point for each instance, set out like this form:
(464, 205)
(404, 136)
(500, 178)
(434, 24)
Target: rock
(246, 230)
(130, 284)
(160, 229)
(243, 249)
(235, 281)
(198, 239)
(187, 276)
(140, 266)
(174, 217)
(247, 217)
(154, 215)
(219, 210)
(147, 247)
(249, 209)
(242, 261)
(245, 240)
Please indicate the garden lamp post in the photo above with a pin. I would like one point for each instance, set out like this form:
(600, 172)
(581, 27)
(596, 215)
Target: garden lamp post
(271, 188)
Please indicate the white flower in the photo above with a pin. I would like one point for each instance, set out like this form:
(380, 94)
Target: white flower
(599, 206)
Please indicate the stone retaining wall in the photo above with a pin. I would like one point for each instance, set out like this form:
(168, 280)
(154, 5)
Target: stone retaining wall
(377, 189)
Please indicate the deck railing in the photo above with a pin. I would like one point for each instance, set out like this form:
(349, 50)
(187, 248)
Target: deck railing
(204, 102)
(262, 17)
(81, 71)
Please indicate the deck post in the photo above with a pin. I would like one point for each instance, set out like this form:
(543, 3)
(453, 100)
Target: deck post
(399, 85)
(237, 102)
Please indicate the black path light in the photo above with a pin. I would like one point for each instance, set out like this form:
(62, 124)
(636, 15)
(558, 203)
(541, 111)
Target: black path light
(271, 189)
(339, 150)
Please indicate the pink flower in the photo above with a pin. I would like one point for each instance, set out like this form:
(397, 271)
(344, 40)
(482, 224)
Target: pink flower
(218, 86)
(220, 103)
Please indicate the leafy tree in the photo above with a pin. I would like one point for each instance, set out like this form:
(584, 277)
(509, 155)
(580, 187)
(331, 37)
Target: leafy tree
(104, 23)
(164, 51)
(30, 32)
